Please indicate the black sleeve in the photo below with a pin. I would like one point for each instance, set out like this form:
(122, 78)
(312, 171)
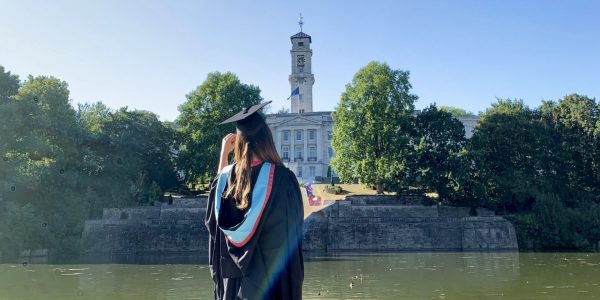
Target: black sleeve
(295, 217)
(210, 222)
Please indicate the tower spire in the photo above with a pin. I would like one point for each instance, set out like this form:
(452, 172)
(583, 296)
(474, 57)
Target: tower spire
(300, 21)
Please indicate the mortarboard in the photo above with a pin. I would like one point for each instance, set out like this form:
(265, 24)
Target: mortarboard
(248, 121)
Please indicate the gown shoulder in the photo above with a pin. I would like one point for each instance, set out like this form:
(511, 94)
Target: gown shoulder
(274, 251)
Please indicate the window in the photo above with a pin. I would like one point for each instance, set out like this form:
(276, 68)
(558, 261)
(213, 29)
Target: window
(311, 171)
(300, 44)
(300, 171)
(312, 134)
(300, 97)
(299, 132)
(329, 135)
(285, 152)
(298, 152)
(301, 111)
(286, 135)
(330, 151)
(312, 152)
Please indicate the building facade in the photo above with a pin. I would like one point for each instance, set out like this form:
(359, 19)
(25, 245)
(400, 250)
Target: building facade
(303, 137)
(303, 142)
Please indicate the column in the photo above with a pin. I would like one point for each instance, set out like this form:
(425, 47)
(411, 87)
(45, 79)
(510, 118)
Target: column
(292, 146)
(319, 149)
(305, 140)
(320, 159)
(278, 138)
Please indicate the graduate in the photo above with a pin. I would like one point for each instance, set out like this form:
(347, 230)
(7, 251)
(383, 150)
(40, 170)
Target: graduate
(254, 217)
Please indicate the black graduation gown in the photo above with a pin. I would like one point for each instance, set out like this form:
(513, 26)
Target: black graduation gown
(270, 265)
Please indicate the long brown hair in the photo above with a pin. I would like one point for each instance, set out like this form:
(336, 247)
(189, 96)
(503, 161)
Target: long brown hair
(262, 147)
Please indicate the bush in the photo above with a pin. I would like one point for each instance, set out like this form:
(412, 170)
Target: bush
(154, 192)
(333, 189)
(527, 229)
(551, 225)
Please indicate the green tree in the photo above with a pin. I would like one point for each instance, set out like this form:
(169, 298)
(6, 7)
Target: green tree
(283, 110)
(41, 171)
(60, 166)
(514, 155)
(9, 85)
(143, 146)
(131, 151)
(590, 219)
(456, 112)
(19, 228)
(438, 160)
(371, 123)
(574, 119)
(217, 98)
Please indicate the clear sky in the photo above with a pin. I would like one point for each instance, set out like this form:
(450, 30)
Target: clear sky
(150, 54)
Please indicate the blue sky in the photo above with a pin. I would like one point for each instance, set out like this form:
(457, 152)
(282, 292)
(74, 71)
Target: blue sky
(150, 54)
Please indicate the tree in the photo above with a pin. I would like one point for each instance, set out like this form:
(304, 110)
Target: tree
(9, 85)
(371, 120)
(217, 98)
(60, 166)
(439, 152)
(143, 143)
(456, 112)
(131, 151)
(574, 119)
(283, 110)
(541, 166)
(330, 175)
(39, 144)
(515, 156)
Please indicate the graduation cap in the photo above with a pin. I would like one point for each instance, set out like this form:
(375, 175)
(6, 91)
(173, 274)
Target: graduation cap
(248, 121)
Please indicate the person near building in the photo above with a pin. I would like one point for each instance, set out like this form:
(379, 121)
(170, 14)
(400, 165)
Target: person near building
(254, 217)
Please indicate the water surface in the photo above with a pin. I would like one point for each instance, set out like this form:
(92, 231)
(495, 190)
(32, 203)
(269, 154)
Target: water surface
(437, 275)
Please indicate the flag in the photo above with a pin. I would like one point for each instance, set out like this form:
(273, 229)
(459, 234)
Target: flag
(295, 92)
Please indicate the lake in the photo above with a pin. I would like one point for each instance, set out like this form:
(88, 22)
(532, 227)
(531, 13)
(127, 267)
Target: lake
(405, 275)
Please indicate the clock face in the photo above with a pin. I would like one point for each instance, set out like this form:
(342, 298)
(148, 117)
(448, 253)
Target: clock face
(300, 61)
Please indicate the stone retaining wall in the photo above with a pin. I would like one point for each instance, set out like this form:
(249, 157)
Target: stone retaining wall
(365, 224)
(166, 228)
(357, 223)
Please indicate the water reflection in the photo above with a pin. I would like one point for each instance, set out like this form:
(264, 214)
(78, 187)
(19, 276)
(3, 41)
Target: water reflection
(437, 275)
(412, 275)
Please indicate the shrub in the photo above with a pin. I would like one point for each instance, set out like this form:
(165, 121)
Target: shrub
(333, 189)
(154, 192)
(552, 225)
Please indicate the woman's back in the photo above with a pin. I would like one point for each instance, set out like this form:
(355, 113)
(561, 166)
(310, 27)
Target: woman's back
(270, 264)
(254, 217)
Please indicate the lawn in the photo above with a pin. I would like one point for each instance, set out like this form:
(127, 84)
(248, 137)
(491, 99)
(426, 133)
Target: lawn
(347, 189)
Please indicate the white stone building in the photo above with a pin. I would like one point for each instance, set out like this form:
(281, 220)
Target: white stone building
(303, 141)
(303, 137)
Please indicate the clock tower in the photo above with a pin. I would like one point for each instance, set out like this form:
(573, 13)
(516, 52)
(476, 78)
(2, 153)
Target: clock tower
(302, 76)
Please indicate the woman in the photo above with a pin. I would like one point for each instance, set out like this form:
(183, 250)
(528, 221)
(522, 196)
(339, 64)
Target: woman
(254, 217)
